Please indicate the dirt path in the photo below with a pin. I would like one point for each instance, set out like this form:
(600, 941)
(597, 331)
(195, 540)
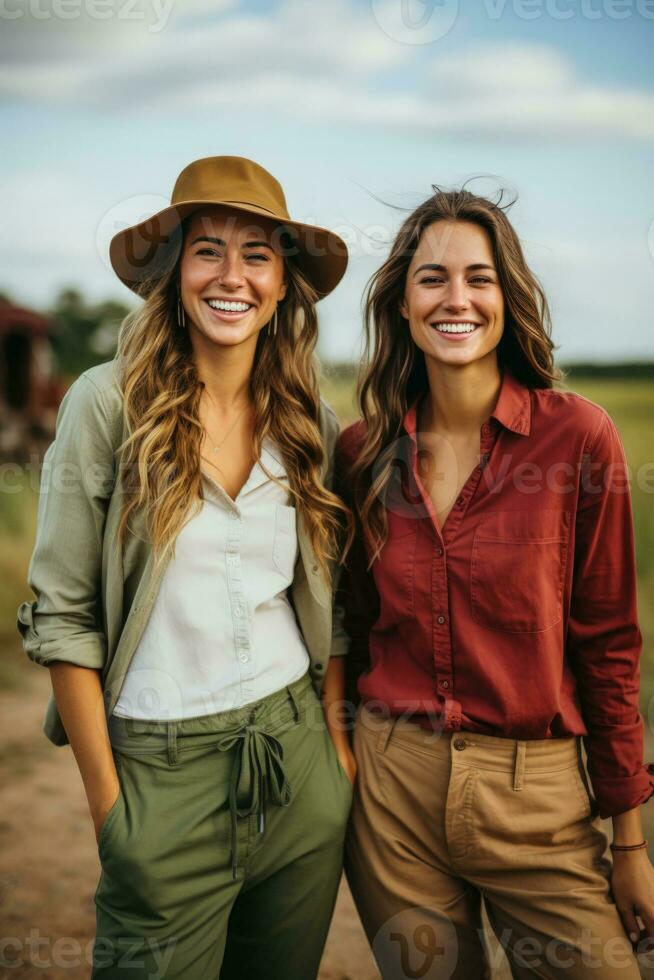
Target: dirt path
(49, 867)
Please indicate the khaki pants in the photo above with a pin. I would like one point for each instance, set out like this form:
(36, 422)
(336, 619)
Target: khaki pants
(223, 853)
(440, 821)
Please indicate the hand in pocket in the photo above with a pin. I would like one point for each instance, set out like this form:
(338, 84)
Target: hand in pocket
(101, 810)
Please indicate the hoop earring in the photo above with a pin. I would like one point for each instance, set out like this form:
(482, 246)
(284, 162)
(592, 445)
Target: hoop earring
(181, 315)
(272, 325)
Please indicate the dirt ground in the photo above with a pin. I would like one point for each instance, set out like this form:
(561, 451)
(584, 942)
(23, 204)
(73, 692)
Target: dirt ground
(49, 866)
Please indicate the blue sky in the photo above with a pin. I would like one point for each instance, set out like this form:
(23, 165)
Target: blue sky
(344, 103)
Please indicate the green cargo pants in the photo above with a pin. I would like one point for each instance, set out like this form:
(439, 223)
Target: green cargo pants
(222, 855)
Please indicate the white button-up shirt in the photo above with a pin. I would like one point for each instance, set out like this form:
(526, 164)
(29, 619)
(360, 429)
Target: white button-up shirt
(222, 632)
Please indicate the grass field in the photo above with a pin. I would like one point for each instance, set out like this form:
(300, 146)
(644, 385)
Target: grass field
(630, 403)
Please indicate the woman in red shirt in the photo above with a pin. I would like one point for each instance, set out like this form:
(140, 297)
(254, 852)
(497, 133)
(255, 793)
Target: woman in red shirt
(490, 596)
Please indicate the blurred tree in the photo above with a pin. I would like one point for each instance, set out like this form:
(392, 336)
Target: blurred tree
(86, 333)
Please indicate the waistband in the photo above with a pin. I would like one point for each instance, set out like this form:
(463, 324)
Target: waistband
(257, 776)
(473, 749)
(151, 735)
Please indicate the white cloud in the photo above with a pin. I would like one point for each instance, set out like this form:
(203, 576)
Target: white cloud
(519, 89)
(330, 63)
(577, 112)
(502, 68)
(325, 41)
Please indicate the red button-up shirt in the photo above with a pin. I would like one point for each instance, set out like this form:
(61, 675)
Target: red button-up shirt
(518, 617)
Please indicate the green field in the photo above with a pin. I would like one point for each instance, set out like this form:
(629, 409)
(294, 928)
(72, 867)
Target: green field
(630, 403)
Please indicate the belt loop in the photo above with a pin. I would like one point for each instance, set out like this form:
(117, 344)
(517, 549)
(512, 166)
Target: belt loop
(171, 729)
(385, 733)
(519, 764)
(296, 708)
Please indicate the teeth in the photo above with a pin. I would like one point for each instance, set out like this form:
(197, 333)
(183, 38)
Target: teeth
(221, 304)
(455, 327)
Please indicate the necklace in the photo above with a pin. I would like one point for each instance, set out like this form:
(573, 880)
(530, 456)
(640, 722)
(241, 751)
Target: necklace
(217, 448)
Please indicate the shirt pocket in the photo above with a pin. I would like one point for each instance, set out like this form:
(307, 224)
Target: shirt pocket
(284, 551)
(517, 569)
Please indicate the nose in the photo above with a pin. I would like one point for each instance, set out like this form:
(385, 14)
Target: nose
(457, 295)
(231, 271)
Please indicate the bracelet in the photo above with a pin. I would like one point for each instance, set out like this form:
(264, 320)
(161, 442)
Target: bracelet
(628, 847)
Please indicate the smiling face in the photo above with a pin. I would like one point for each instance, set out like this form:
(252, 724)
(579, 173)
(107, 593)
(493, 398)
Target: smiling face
(231, 274)
(452, 299)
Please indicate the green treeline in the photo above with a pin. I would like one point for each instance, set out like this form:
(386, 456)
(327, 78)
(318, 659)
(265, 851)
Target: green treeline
(85, 333)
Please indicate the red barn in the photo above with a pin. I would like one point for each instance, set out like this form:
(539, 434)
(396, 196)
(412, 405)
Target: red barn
(29, 389)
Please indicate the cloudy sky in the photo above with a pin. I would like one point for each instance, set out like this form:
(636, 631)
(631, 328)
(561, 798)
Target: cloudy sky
(357, 107)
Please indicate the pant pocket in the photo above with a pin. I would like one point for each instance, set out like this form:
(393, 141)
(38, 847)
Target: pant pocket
(589, 803)
(113, 814)
(342, 775)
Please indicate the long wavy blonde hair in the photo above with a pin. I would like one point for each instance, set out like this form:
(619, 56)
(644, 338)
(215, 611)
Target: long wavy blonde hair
(393, 372)
(161, 396)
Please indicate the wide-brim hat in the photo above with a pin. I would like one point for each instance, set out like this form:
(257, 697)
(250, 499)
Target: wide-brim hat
(142, 253)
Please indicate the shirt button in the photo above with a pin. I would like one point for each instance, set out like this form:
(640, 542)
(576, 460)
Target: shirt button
(445, 684)
(439, 552)
(441, 619)
(459, 744)
(485, 429)
(244, 658)
(238, 610)
(314, 569)
(319, 666)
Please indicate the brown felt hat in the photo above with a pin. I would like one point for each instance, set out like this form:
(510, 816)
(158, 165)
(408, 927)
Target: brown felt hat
(142, 253)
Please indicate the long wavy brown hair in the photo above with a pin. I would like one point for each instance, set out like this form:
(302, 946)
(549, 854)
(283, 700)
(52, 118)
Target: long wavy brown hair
(393, 372)
(161, 396)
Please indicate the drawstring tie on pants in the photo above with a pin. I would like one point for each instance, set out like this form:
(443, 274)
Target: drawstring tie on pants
(257, 777)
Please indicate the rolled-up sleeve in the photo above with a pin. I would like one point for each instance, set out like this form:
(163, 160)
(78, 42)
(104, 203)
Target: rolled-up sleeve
(64, 622)
(604, 641)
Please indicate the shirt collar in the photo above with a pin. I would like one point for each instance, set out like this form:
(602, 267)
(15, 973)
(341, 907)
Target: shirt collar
(512, 410)
(272, 457)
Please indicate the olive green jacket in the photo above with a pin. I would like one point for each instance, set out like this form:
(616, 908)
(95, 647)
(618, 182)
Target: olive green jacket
(93, 597)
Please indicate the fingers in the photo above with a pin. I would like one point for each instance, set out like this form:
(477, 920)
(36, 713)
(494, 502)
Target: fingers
(647, 917)
(628, 916)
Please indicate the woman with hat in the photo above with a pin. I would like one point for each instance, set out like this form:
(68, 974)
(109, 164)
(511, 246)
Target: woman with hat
(183, 577)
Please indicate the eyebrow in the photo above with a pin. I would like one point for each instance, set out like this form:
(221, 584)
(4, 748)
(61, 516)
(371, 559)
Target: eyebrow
(220, 241)
(435, 267)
